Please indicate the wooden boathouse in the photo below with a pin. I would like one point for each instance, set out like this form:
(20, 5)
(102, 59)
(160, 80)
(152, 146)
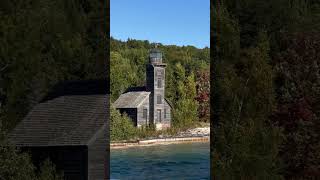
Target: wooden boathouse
(70, 127)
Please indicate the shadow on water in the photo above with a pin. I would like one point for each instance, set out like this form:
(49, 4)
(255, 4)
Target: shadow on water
(175, 161)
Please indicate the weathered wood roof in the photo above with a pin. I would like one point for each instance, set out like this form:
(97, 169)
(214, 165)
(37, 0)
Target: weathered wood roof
(64, 120)
(131, 99)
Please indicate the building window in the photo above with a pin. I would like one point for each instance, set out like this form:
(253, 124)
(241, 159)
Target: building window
(159, 99)
(159, 73)
(159, 115)
(145, 112)
(159, 83)
(165, 113)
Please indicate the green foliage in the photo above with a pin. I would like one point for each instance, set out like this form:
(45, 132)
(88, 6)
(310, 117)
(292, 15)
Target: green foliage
(246, 144)
(122, 73)
(203, 94)
(298, 112)
(17, 165)
(121, 127)
(265, 81)
(48, 171)
(42, 43)
(128, 63)
(185, 112)
(145, 132)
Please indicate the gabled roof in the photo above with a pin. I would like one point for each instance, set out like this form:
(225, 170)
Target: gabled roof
(131, 99)
(64, 120)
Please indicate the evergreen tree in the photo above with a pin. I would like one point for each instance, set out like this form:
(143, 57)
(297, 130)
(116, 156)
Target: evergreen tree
(123, 75)
(246, 144)
(185, 111)
(128, 61)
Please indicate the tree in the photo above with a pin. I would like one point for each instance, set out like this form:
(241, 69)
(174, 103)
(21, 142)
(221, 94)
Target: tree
(122, 73)
(121, 126)
(297, 82)
(203, 90)
(16, 165)
(293, 62)
(185, 111)
(48, 171)
(246, 142)
(43, 43)
(128, 60)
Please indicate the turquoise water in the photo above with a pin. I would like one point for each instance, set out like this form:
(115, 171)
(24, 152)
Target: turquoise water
(175, 161)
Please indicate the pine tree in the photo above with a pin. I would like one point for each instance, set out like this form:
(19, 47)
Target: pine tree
(246, 144)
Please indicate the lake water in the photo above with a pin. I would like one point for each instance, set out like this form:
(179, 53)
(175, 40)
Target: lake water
(175, 161)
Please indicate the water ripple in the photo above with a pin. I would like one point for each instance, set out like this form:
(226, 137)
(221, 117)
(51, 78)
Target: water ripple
(177, 161)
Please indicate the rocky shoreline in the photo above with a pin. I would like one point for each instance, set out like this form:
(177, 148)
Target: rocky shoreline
(200, 134)
(163, 141)
(200, 131)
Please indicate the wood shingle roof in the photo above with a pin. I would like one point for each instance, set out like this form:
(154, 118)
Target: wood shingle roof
(131, 99)
(63, 120)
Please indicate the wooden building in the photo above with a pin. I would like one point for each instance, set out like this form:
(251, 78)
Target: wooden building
(70, 127)
(147, 105)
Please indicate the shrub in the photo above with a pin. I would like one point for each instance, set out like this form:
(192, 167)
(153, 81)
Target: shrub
(121, 127)
(48, 171)
(16, 165)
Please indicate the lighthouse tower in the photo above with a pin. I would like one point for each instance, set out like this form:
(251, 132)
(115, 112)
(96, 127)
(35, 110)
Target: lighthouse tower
(155, 75)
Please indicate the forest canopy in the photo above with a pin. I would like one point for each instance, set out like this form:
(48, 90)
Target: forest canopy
(42, 43)
(187, 75)
(265, 76)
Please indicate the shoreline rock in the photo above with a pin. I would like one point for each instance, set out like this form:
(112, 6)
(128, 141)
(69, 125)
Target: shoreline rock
(163, 141)
(198, 134)
(200, 131)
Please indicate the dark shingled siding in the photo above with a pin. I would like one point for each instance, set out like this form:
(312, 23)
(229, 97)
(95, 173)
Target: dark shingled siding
(97, 155)
(168, 113)
(141, 120)
(150, 87)
(73, 131)
(159, 72)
